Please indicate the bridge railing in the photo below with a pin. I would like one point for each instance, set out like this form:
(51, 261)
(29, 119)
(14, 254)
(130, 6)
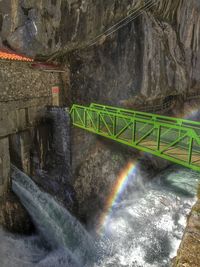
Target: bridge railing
(166, 105)
(169, 138)
(145, 115)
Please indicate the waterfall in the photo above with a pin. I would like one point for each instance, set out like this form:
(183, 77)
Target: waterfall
(144, 228)
(51, 156)
(55, 223)
(61, 139)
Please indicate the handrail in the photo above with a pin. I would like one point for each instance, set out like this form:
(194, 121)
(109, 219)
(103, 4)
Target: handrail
(174, 139)
(167, 118)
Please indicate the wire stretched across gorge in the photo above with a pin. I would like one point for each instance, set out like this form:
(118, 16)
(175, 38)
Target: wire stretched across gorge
(133, 15)
(130, 17)
(124, 19)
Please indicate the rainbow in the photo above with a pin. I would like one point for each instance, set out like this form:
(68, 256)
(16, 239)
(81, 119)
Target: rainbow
(118, 188)
(188, 111)
(191, 112)
(125, 175)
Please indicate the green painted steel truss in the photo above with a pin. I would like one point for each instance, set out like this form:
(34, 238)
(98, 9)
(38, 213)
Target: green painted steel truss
(173, 139)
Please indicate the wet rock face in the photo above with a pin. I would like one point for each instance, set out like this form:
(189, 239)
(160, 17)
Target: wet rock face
(188, 253)
(30, 26)
(51, 157)
(155, 56)
(96, 176)
(97, 164)
(43, 27)
(13, 216)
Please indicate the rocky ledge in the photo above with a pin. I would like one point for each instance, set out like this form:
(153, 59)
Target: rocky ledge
(13, 217)
(189, 250)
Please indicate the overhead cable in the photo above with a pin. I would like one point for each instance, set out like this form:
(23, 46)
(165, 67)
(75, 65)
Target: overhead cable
(126, 21)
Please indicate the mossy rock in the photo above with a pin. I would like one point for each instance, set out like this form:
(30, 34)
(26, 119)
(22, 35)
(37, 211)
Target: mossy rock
(13, 217)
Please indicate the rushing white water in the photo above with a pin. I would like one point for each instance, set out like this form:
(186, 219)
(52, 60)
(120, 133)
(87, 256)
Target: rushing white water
(144, 229)
(56, 224)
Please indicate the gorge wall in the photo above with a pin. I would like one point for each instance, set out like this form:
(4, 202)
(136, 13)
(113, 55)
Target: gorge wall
(188, 251)
(154, 56)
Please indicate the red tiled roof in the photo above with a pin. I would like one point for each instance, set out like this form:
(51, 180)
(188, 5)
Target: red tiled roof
(7, 55)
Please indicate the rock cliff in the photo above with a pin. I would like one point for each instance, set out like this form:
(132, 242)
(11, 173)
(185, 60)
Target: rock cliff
(157, 54)
(188, 253)
(154, 56)
(13, 216)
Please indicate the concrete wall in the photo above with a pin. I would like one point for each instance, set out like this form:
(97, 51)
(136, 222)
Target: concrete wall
(24, 94)
(4, 165)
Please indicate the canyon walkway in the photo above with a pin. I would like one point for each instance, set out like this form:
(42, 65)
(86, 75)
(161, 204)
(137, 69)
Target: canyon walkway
(173, 139)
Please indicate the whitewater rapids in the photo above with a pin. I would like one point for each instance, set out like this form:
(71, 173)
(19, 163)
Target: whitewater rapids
(144, 229)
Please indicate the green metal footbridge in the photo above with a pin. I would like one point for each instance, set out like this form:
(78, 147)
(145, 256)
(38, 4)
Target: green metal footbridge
(173, 139)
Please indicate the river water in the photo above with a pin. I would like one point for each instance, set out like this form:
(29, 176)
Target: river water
(144, 229)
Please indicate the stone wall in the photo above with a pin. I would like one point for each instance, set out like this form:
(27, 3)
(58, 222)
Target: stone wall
(26, 130)
(19, 81)
(24, 94)
(4, 165)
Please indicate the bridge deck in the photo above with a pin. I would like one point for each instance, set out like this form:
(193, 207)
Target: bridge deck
(174, 152)
(174, 139)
